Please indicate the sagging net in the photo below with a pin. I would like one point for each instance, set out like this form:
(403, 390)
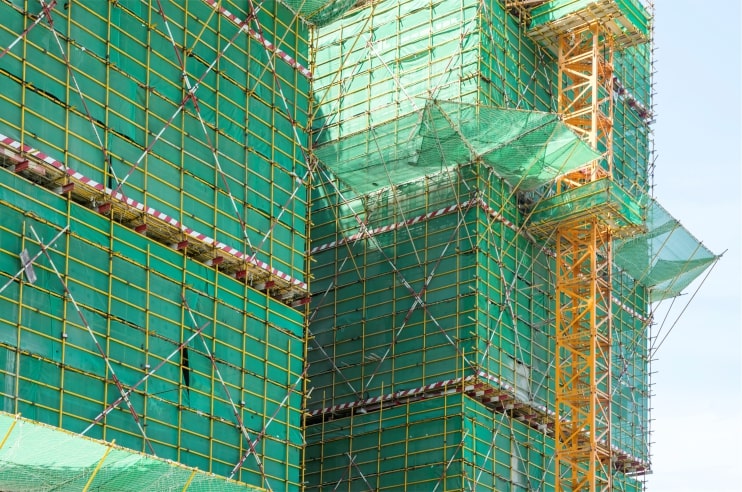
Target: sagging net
(38, 457)
(320, 12)
(666, 258)
(527, 149)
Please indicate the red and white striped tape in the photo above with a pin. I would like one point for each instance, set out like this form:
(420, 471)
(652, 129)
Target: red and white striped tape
(496, 215)
(420, 218)
(25, 149)
(532, 419)
(261, 39)
(390, 396)
(416, 391)
(390, 227)
(446, 210)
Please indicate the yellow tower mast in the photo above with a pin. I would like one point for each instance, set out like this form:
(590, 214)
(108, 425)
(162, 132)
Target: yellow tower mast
(583, 273)
(583, 36)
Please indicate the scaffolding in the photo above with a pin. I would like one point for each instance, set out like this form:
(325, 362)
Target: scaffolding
(154, 225)
(35, 456)
(80, 96)
(584, 37)
(188, 345)
(476, 178)
(461, 244)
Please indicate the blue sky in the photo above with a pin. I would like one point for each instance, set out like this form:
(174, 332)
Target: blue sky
(698, 389)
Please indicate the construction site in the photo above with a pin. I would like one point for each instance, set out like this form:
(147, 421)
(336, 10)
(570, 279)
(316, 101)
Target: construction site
(240, 241)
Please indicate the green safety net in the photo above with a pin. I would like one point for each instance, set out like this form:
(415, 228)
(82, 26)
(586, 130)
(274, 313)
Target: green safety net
(603, 199)
(664, 256)
(35, 457)
(630, 13)
(667, 258)
(320, 12)
(525, 148)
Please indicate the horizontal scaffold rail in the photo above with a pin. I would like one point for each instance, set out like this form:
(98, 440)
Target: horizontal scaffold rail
(57, 177)
(415, 220)
(497, 395)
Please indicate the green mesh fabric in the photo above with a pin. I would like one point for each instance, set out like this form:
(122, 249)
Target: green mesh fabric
(386, 154)
(627, 21)
(667, 258)
(525, 148)
(320, 12)
(602, 198)
(39, 457)
(629, 13)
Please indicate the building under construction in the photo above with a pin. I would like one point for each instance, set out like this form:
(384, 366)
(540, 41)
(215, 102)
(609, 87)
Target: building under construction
(330, 245)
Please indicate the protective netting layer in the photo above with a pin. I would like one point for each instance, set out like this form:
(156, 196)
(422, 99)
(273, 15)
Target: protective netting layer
(602, 198)
(372, 67)
(486, 304)
(115, 102)
(386, 154)
(320, 12)
(626, 20)
(206, 361)
(37, 457)
(525, 148)
(667, 258)
(449, 442)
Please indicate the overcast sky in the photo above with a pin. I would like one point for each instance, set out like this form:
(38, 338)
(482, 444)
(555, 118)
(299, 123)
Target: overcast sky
(698, 393)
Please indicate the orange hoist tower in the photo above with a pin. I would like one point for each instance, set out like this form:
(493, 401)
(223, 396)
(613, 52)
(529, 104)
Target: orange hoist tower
(583, 36)
(583, 272)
